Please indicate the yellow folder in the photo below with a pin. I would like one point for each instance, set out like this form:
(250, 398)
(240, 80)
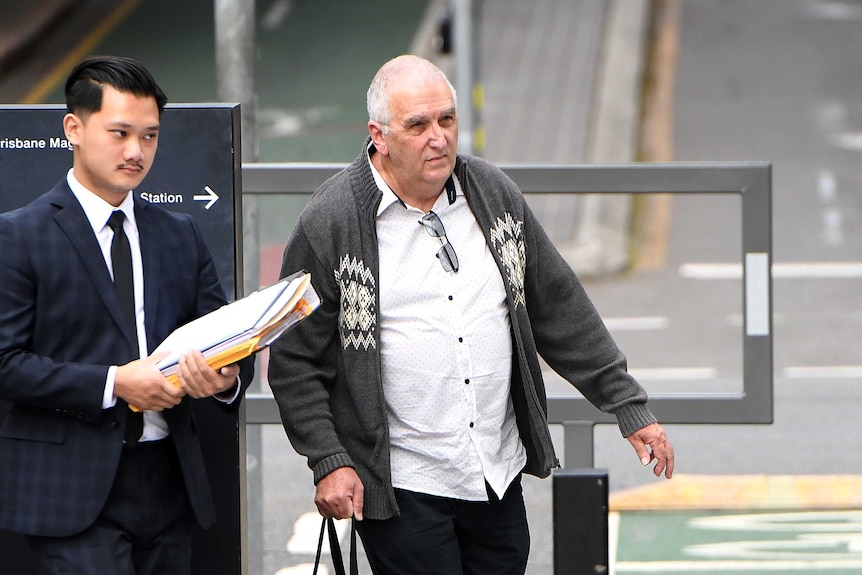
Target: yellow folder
(242, 328)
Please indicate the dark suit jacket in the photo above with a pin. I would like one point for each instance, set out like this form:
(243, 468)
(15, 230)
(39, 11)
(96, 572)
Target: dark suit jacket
(60, 330)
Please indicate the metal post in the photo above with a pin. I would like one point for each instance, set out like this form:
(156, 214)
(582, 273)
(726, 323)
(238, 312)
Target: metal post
(236, 72)
(236, 79)
(478, 92)
(580, 499)
(580, 522)
(462, 44)
(578, 444)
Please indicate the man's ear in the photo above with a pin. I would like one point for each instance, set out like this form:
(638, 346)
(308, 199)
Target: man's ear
(376, 131)
(72, 126)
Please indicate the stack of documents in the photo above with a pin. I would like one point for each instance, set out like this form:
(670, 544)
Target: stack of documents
(241, 328)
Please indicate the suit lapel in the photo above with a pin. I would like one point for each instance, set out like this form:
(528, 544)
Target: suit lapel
(151, 257)
(74, 223)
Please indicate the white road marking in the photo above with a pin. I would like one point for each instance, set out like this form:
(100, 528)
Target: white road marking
(613, 540)
(303, 569)
(306, 530)
(831, 522)
(823, 372)
(789, 270)
(673, 373)
(623, 567)
(827, 191)
(851, 141)
(833, 10)
(636, 323)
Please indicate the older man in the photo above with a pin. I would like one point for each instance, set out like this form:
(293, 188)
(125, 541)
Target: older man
(416, 391)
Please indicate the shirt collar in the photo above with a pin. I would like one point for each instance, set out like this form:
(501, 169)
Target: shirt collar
(95, 208)
(389, 196)
(453, 189)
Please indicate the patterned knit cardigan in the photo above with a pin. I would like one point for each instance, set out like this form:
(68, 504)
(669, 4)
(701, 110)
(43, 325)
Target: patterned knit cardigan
(326, 373)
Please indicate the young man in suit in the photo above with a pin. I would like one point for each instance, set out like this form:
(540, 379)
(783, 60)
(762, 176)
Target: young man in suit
(95, 487)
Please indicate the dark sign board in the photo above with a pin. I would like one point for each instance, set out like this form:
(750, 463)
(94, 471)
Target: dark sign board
(197, 171)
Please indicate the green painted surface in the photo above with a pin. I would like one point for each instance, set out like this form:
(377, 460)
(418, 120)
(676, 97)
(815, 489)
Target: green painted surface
(729, 543)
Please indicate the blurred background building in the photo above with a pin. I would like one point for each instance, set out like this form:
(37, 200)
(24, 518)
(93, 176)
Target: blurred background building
(577, 82)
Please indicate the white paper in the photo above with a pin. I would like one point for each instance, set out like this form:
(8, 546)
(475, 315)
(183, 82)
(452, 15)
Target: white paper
(222, 328)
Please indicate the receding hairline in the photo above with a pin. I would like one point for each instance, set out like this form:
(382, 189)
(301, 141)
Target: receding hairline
(409, 64)
(400, 69)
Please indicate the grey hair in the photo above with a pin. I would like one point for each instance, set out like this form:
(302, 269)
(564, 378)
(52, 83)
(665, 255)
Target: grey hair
(377, 99)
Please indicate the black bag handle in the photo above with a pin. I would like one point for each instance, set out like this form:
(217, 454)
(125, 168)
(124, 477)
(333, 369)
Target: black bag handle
(335, 548)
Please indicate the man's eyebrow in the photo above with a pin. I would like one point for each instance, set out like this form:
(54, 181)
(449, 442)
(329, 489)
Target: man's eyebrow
(421, 118)
(128, 126)
(417, 119)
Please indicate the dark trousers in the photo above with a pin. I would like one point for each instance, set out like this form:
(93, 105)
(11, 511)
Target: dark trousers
(144, 528)
(442, 536)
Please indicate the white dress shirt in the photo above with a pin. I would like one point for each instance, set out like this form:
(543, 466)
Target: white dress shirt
(446, 352)
(98, 211)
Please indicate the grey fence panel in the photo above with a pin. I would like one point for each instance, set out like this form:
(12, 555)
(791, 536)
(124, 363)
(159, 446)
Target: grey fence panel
(750, 180)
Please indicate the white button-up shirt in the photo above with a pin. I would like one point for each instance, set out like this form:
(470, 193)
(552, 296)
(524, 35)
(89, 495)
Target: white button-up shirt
(446, 351)
(98, 211)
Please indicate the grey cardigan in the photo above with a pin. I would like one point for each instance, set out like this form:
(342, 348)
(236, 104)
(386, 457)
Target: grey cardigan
(326, 374)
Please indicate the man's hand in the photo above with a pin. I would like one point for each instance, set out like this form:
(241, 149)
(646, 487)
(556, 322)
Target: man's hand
(650, 444)
(340, 494)
(141, 384)
(199, 380)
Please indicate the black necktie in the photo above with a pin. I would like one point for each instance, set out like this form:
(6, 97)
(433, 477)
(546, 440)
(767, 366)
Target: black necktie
(121, 261)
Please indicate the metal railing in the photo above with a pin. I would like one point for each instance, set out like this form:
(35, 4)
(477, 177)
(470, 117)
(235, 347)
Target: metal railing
(751, 181)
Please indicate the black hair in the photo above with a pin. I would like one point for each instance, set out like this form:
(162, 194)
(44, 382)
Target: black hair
(85, 82)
